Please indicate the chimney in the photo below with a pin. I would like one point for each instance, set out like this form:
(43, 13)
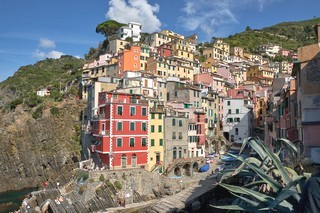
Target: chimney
(317, 29)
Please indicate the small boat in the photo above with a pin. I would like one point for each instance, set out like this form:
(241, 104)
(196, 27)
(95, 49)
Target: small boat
(204, 168)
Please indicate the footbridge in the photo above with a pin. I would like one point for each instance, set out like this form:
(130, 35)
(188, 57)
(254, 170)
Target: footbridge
(184, 166)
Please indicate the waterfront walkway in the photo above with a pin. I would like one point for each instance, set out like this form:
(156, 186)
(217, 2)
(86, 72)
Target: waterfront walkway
(199, 184)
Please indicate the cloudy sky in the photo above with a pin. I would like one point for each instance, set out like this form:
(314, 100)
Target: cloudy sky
(32, 30)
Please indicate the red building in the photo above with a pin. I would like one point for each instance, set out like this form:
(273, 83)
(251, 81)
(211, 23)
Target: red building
(121, 130)
(200, 115)
(165, 50)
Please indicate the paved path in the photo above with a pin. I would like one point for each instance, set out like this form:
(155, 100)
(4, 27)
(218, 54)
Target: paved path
(199, 184)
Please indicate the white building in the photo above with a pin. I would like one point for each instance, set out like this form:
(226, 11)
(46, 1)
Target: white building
(269, 50)
(237, 119)
(43, 92)
(133, 30)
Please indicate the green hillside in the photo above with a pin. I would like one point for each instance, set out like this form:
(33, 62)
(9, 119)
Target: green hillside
(54, 74)
(289, 35)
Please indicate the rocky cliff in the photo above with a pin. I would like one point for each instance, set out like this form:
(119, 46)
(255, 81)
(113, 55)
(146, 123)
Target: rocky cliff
(35, 150)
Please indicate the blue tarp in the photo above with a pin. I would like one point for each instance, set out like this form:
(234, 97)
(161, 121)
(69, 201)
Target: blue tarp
(204, 168)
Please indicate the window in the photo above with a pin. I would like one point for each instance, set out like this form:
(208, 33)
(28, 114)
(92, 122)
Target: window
(131, 142)
(174, 135)
(160, 128)
(160, 116)
(180, 135)
(229, 111)
(175, 93)
(228, 103)
(180, 122)
(152, 142)
(173, 122)
(119, 142)
(132, 126)
(236, 119)
(152, 128)
(119, 126)
(144, 142)
(144, 126)
(152, 116)
(237, 111)
(237, 131)
(144, 111)
(161, 142)
(119, 110)
(132, 110)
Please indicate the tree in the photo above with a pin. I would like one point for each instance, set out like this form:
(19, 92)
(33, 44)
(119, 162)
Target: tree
(108, 28)
(248, 28)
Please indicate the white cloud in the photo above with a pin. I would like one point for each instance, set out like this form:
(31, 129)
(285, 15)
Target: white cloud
(210, 16)
(140, 11)
(46, 43)
(52, 54)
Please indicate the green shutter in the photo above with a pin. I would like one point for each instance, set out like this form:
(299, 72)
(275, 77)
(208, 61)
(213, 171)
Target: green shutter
(144, 141)
(119, 142)
(161, 142)
(152, 142)
(131, 142)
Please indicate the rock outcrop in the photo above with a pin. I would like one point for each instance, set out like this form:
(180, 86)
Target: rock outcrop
(98, 191)
(37, 150)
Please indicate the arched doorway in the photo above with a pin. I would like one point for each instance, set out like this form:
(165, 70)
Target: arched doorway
(177, 171)
(134, 160)
(180, 152)
(187, 169)
(124, 161)
(195, 166)
(174, 154)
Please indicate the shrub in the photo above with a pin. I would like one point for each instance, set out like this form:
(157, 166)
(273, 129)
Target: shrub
(101, 178)
(33, 100)
(54, 111)
(38, 112)
(117, 184)
(108, 183)
(82, 188)
(15, 103)
(83, 176)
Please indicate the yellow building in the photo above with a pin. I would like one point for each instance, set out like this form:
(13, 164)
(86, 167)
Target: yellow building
(156, 137)
(220, 51)
(182, 49)
(258, 73)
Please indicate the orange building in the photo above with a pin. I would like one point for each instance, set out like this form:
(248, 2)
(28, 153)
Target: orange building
(128, 59)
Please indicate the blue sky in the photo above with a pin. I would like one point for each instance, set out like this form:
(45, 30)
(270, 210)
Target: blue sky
(32, 30)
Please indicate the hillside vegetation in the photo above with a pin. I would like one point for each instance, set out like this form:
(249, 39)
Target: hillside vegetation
(289, 35)
(54, 74)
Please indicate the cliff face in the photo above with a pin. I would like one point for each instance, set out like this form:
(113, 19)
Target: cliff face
(35, 150)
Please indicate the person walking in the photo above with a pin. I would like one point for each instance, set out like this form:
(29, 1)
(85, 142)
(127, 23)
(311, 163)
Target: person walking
(44, 185)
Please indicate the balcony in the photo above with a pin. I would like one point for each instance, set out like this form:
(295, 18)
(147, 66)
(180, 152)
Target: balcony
(105, 132)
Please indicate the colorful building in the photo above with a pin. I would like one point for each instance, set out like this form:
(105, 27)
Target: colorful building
(120, 130)
(156, 135)
(308, 97)
(129, 59)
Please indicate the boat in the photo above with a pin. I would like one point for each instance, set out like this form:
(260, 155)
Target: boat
(204, 168)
